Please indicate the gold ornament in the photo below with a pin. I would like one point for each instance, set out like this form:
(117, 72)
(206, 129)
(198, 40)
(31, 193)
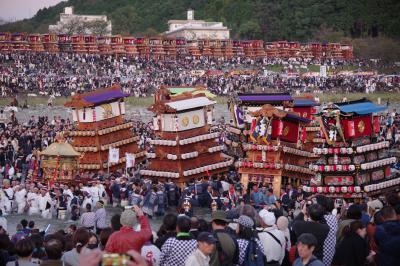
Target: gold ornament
(185, 121)
(361, 126)
(286, 131)
(196, 119)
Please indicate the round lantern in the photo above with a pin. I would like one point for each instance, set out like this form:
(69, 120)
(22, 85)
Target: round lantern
(325, 150)
(319, 189)
(357, 189)
(344, 189)
(352, 167)
(350, 189)
(343, 150)
(337, 189)
(326, 189)
(331, 189)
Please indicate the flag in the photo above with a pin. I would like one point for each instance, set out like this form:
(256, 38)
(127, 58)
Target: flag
(254, 130)
(239, 117)
(130, 160)
(113, 155)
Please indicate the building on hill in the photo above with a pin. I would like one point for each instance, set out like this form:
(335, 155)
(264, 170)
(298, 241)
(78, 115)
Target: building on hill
(71, 23)
(192, 29)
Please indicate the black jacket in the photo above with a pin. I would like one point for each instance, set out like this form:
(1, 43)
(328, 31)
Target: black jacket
(352, 251)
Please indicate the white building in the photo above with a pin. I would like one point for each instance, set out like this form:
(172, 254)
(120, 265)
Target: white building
(192, 29)
(71, 23)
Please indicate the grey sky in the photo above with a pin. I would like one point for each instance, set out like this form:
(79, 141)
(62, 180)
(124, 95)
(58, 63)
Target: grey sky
(20, 9)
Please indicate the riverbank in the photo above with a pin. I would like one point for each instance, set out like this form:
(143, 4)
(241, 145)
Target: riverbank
(392, 97)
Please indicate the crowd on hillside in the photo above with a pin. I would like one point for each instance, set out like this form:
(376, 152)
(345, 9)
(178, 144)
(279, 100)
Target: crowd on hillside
(63, 74)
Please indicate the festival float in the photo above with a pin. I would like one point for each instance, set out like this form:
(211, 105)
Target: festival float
(185, 147)
(100, 126)
(59, 161)
(354, 162)
(273, 138)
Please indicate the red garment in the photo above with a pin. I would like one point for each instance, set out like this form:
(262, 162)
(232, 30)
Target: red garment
(127, 239)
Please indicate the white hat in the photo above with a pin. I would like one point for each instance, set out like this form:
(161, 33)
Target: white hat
(267, 217)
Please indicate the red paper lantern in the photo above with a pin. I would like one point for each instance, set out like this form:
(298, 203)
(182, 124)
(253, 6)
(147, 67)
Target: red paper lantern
(350, 128)
(314, 189)
(350, 189)
(321, 168)
(254, 147)
(244, 164)
(250, 165)
(339, 180)
(266, 165)
(337, 151)
(330, 151)
(333, 168)
(337, 189)
(326, 189)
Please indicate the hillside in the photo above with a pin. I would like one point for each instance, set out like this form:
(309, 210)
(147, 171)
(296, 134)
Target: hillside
(262, 19)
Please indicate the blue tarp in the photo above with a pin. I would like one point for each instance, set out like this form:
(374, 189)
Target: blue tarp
(304, 102)
(361, 108)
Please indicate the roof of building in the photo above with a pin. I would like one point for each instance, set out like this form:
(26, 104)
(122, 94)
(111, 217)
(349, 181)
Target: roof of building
(60, 149)
(264, 98)
(304, 102)
(360, 107)
(96, 97)
(190, 103)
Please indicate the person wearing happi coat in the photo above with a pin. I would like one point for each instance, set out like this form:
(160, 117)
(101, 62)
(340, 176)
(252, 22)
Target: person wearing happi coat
(45, 203)
(32, 199)
(8, 196)
(20, 198)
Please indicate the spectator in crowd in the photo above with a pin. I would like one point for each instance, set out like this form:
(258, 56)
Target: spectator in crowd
(387, 237)
(205, 246)
(54, 249)
(126, 238)
(353, 213)
(353, 249)
(24, 249)
(88, 219)
(177, 249)
(315, 226)
(306, 244)
(80, 241)
(227, 248)
(272, 239)
(167, 229)
(100, 217)
(245, 233)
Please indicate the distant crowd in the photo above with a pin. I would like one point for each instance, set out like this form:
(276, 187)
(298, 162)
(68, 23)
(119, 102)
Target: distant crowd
(64, 74)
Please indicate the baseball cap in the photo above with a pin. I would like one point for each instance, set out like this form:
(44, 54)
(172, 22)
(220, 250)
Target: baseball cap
(219, 215)
(206, 237)
(267, 217)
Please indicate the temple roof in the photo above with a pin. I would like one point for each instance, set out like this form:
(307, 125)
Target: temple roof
(360, 107)
(190, 103)
(96, 97)
(265, 98)
(60, 149)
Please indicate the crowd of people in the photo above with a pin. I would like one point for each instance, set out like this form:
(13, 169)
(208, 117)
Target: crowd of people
(65, 74)
(297, 229)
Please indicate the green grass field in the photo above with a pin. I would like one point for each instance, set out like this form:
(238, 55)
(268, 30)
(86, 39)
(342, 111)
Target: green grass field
(147, 101)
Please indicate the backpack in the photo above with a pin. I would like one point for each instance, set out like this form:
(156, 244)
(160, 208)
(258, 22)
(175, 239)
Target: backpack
(222, 256)
(254, 255)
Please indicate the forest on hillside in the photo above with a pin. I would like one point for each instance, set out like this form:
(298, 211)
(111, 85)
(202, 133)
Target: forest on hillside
(301, 20)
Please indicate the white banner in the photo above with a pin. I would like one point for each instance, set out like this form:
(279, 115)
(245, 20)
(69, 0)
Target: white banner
(113, 155)
(130, 160)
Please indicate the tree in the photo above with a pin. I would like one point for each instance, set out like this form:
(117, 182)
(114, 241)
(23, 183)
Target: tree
(250, 30)
(97, 27)
(125, 20)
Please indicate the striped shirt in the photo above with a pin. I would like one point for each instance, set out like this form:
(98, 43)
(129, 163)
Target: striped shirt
(101, 218)
(88, 219)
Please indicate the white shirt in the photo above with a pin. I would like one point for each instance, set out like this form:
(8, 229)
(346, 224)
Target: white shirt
(273, 250)
(20, 196)
(3, 222)
(43, 200)
(197, 258)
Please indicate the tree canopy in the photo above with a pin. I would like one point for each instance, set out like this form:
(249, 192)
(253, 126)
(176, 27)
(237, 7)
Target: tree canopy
(270, 20)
